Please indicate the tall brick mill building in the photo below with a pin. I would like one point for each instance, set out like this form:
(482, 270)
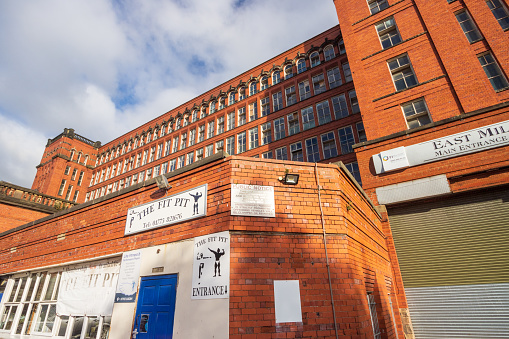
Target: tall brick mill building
(179, 229)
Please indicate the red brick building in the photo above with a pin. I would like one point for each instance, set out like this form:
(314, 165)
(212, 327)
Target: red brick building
(431, 79)
(84, 249)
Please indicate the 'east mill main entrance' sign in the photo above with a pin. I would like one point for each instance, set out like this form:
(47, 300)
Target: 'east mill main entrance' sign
(471, 141)
(183, 206)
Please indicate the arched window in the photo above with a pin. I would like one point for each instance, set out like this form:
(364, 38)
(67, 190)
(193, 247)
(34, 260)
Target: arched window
(328, 52)
(252, 88)
(86, 160)
(222, 103)
(314, 59)
(170, 127)
(341, 46)
(186, 120)
(301, 66)
(203, 113)
(178, 123)
(212, 106)
(276, 77)
(194, 116)
(242, 93)
(264, 83)
(231, 98)
(112, 155)
(72, 154)
(79, 157)
(135, 143)
(288, 71)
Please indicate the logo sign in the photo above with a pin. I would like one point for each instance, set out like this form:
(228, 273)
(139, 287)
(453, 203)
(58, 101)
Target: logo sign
(253, 201)
(471, 141)
(128, 277)
(183, 206)
(211, 266)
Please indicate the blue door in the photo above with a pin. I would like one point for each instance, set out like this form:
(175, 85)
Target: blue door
(156, 307)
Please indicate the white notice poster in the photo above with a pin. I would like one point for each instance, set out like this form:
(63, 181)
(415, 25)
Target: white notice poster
(128, 277)
(88, 289)
(253, 200)
(211, 266)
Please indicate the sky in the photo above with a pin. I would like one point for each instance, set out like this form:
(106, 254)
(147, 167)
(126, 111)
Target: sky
(104, 67)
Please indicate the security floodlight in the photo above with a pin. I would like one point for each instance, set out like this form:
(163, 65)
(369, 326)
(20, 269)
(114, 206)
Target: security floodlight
(291, 179)
(162, 182)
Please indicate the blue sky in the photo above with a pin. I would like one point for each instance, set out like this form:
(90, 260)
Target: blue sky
(104, 67)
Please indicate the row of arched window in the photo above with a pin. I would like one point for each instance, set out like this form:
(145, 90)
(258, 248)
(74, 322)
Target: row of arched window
(287, 70)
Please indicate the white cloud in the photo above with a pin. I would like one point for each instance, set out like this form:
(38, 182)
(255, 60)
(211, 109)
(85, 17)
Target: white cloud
(104, 67)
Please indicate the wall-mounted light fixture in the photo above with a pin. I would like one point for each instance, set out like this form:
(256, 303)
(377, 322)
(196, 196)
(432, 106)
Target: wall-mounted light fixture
(290, 179)
(162, 182)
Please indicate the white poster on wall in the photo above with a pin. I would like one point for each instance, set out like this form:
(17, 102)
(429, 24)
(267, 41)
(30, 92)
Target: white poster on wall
(88, 289)
(128, 278)
(169, 210)
(253, 200)
(211, 266)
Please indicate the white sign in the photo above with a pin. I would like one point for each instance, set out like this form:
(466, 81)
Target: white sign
(287, 301)
(211, 266)
(471, 141)
(169, 210)
(128, 278)
(253, 200)
(88, 289)
(394, 158)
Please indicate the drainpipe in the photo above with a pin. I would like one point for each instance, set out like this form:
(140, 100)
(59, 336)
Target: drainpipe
(326, 254)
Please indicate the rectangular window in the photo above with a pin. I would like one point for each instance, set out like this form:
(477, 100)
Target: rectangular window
(190, 158)
(468, 26)
(152, 154)
(402, 72)
(156, 171)
(192, 137)
(329, 145)
(209, 150)
(265, 106)
(230, 145)
(181, 161)
(74, 172)
(183, 140)
(346, 71)
(199, 154)
(253, 138)
(388, 33)
(253, 111)
(164, 168)
(354, 103)
(361, 133)
(175, 145)
(277, 101)
(210, 129)
(172, 165)
(323, 111)
(69, 191)
(500, 12)
(318, 84)
(312, 151)
(341, 46)
(67, 170)
(241, 142)
(304, 90)
(266, 133)
(167, 147)
(416, 113)
(334, 77)
(291, 96)
(220, 125)
(308, 118)
(241, 116)
(293, 123)
(281, 153)
(296, 151)
(493, 71)
(267, 155)
(219, 146)
(80, 179)
(159, 151)
(279, 128)
(201, 133)
(376, 6)
(346, 139)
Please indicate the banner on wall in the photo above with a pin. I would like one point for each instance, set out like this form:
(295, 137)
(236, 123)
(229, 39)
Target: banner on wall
(176, 208)
(128, 277)
(211, 266)
(88, 289)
